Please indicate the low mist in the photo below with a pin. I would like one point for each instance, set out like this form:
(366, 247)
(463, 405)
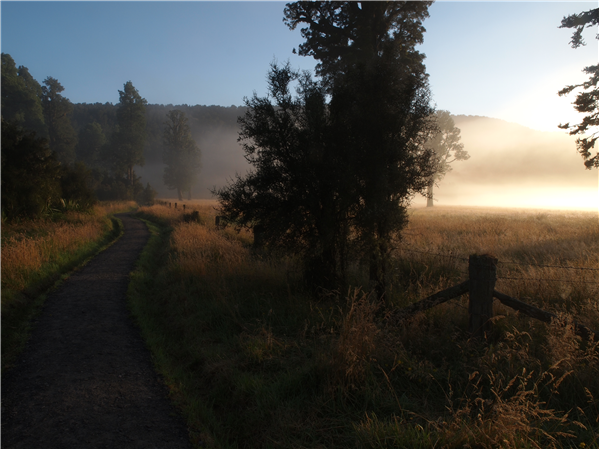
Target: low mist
(510, 166)
(515, 166)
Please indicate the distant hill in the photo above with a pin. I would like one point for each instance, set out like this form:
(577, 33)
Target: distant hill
(510, 165)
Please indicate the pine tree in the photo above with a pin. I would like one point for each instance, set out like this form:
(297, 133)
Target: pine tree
(127, 144)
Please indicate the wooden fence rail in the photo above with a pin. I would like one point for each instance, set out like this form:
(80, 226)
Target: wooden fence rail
(481, 289)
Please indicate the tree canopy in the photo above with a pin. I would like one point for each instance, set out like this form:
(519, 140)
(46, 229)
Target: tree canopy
(21, 97)
(341, 34)
(586, 101)
(57, 112)
(293, 195)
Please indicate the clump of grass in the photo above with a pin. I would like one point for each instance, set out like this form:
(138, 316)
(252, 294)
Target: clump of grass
(254, 359)
(355, 345)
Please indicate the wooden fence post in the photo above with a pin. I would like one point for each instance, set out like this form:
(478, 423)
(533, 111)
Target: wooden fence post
(183, 208)
(482, 280)
(175, 205)
(169, 204)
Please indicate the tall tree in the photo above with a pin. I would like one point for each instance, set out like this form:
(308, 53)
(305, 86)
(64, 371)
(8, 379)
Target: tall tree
(447, 147)
(380, 97)
(387, 120)
(587, 100)
(180, 154)
(21, 97)
(57, 112)
(128, 139)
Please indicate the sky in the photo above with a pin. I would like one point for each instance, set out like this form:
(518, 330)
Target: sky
(505, 60)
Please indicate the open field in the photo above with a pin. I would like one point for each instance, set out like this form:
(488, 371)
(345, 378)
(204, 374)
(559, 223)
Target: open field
(254, 360)
(34, 256)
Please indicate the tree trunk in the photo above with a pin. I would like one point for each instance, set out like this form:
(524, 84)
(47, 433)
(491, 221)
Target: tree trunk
(179, 194)
(430, 194)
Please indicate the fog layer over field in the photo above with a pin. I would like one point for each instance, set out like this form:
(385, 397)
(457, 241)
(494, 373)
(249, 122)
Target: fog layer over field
(222, 157)
(510, 166)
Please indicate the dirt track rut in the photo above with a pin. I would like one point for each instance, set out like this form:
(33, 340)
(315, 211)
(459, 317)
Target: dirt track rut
(85, 379)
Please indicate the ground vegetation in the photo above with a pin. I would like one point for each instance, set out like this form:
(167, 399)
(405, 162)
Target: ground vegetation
(273, 366)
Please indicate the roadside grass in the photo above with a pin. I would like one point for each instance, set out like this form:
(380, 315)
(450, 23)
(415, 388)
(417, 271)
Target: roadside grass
(254, 360)
(38, 254)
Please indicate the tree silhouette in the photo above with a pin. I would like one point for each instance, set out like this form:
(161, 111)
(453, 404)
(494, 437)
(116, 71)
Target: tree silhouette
(385, 114)
(341, 34)
(127, 143)
(380, 98)
(586, 100)
(181, 154)
(57, 113)
(295, 193)
(447, 147)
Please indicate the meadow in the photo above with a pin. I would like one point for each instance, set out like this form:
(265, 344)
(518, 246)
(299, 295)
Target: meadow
(253, 359)
(37, 253)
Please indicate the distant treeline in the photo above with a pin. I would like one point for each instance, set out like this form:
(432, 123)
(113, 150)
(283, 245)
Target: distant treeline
(201, 119)
(49, 143)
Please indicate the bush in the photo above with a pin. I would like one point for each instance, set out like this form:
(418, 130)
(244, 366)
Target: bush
(75, 188)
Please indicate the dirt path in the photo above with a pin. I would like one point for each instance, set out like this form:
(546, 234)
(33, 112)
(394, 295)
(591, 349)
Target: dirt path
(85, 379)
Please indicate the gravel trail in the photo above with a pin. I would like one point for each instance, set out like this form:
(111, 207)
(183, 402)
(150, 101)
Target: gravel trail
(85, 378)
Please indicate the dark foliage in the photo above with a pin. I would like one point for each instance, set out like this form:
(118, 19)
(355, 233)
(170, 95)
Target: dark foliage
(57, 112)
(379, 109)
(291, 198)
(75, 185)
(342, 34)
(21, 95)
(587, 99)
(30, 174)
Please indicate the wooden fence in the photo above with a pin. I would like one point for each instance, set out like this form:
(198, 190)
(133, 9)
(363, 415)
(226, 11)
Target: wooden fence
(481, 289)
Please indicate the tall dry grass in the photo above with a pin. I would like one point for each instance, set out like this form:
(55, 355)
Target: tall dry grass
(28, 246)
(273, 366)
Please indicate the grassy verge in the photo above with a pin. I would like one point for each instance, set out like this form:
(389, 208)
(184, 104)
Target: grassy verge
(38, 254)
(253, 360)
